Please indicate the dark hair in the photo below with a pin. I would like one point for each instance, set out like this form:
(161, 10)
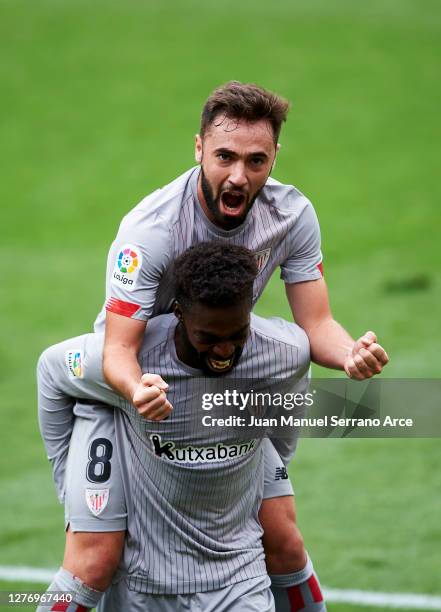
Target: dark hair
(237, 100)
(214, 274)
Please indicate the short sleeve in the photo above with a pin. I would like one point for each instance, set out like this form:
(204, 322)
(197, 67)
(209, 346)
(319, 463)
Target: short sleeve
(304, 261)
(137, 261)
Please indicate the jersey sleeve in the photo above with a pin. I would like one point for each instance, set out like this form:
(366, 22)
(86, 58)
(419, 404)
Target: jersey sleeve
(304, 261)
(73, 368)
(65, 371)
(136, 263)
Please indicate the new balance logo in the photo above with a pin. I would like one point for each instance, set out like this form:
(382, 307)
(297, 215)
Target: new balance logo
(201, 454)
(281, 474)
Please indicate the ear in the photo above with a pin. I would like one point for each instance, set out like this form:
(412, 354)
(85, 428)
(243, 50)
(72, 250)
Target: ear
(198, 149)
(177, 311)
(275, 157)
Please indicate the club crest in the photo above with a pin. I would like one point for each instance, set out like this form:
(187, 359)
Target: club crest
(97, 500)
(262, 258)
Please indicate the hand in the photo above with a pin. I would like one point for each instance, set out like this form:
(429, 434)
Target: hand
(366, 359)
(150, 398)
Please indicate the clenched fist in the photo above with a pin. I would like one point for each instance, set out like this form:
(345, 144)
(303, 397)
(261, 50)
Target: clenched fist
(366, 359)
(150, 398)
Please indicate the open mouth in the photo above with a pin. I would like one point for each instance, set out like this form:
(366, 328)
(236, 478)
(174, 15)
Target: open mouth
(233, 202)
(220, 365)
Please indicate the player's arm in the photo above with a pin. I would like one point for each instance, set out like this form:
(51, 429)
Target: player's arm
(331, 345)
(123, 340)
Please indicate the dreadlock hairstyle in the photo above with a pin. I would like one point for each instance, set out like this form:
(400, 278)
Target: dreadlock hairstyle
(236, 100)
(215, 275)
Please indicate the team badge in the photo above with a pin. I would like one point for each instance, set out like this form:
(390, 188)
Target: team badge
(97, 500)
(262, 258)
(74, 363)
(127, 266)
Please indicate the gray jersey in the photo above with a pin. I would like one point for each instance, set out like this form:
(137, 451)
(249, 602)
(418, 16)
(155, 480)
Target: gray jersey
(193, 493)
(281, 229)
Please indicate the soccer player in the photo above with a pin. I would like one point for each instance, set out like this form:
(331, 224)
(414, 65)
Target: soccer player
(193, 493)
(230, 198)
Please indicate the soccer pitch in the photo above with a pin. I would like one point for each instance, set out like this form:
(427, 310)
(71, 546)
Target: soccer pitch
(100, 105)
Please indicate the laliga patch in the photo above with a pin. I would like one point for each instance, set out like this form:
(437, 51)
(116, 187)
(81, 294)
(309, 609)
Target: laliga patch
(262, 258)
(127, 266)
(96, 500)
(74, 363)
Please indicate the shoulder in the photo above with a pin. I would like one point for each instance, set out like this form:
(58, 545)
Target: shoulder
(277, 348)
(160, 209)
(279, 331)
(157, 333)
(285, 197)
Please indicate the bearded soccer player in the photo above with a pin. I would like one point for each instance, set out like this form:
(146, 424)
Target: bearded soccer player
(193, 492)
(230, 198)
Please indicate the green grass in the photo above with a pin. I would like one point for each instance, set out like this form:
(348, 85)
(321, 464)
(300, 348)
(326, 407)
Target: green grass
(100, 102)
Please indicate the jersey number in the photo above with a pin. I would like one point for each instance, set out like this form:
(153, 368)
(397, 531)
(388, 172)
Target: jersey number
(100, 453)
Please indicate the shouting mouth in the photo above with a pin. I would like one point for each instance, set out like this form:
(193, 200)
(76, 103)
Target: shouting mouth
(220, 365)
(233, 203)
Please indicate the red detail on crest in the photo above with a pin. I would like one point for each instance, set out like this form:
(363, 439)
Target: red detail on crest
(320, 267)
(126, 309)
(295, 598)
(97, 501)
(315, 589)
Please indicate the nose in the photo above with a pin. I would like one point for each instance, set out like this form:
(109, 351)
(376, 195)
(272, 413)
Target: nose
(238, 177)
(224, 350)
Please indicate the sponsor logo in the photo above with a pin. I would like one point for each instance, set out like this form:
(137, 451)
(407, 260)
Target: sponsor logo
(96, 500)
(74, 363)
(262, 258)
(127, 267)
(126, 309)
(201, 454)
(281, 473)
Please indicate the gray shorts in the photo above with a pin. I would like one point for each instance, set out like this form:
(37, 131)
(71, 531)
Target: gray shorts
(95, 499)
(253, 595)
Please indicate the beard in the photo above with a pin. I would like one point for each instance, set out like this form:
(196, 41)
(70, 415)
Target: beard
(212, 201)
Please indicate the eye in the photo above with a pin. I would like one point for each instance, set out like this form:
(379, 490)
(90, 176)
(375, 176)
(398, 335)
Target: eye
(206, 340)
(257, 161)
(224, 156)
(240, 337)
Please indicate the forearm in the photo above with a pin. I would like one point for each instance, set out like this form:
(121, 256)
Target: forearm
(121, 370)
(330, 344)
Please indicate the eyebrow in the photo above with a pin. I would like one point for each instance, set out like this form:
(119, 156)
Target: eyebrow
(230, 152)
(201, 332)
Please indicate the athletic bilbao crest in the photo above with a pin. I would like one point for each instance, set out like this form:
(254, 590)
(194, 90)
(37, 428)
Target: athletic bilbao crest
(97, 500)
(262, 258)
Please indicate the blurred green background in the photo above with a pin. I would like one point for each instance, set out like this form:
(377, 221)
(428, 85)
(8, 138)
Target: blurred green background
(100, 103)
